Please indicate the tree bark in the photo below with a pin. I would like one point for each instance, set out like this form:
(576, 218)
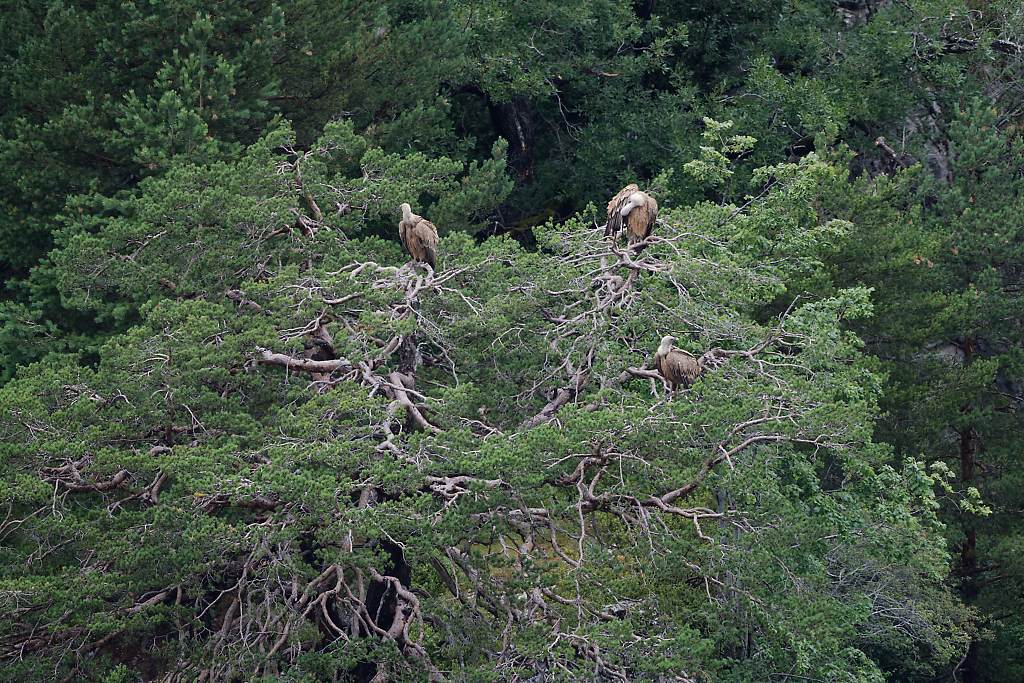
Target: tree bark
(514, 121)
(969, 547)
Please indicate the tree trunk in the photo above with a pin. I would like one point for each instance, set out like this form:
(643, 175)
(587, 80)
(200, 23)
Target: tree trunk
(514, 122)
(969, 672)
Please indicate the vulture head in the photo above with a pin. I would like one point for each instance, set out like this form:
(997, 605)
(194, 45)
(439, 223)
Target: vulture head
(406, 210)
(666, 344)
(636, 199)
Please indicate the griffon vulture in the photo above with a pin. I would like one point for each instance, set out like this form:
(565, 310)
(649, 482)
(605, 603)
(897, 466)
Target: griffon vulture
(677, 366)
(419, 237)
(636, 209)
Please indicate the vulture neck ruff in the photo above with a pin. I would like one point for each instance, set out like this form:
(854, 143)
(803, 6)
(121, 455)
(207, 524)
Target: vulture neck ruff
(636, 199)
(665, 347)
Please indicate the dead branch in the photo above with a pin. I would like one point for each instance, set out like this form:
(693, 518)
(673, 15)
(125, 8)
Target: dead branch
(564, 395)
(303, 364)
(99, 486)
(238, 296)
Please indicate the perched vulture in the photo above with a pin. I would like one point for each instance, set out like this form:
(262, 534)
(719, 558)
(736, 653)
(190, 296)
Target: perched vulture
(675, 365)
(419, 237)
(636, 209)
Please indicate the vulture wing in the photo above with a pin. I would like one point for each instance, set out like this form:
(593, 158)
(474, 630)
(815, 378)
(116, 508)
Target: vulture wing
(404, 227)
(424, 236)
(614, 224)
(678, 367)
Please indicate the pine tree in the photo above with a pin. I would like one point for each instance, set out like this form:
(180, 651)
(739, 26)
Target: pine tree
(310, 459)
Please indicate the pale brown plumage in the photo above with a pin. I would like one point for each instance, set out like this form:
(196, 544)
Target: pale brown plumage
(419, 237)
(677, 367)
(638, 210)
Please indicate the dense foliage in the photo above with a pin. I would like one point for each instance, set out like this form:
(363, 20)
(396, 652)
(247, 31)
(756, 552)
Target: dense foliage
(241, 438)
